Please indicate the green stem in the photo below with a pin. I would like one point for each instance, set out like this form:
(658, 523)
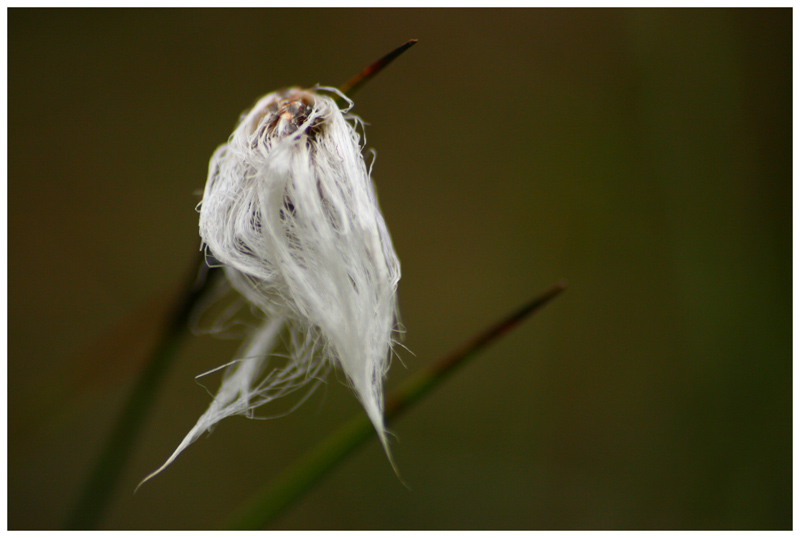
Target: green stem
(108, 467)
(299, 477)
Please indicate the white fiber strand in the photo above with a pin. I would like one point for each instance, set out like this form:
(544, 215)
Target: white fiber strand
(235, 395)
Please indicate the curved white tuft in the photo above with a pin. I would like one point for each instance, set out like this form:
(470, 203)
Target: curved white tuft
(290, 211)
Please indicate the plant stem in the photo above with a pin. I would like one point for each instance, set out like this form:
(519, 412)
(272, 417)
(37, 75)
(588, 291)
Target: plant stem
(352, 85)
(299, 477)
(100, 485)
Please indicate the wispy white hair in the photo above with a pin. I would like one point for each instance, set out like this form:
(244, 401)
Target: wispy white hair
(290, 211)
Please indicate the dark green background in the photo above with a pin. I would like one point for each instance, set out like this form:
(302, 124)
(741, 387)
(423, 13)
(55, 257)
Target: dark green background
(643, 155)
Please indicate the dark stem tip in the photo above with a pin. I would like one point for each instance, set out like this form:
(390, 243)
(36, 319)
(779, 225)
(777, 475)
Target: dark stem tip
(349, 87)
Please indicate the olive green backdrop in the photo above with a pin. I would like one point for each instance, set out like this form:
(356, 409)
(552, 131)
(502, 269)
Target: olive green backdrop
(643, 155)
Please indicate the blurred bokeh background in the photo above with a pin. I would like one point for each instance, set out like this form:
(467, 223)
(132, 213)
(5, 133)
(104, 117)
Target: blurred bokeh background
(644, 155)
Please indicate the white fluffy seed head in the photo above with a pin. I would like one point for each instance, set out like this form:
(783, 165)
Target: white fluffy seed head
(290, 211)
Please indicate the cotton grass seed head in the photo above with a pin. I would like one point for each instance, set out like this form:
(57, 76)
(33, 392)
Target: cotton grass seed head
(289, 204)
(289, 210)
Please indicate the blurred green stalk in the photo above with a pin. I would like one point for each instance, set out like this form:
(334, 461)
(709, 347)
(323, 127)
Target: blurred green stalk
(100, 485)
(299, 477)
